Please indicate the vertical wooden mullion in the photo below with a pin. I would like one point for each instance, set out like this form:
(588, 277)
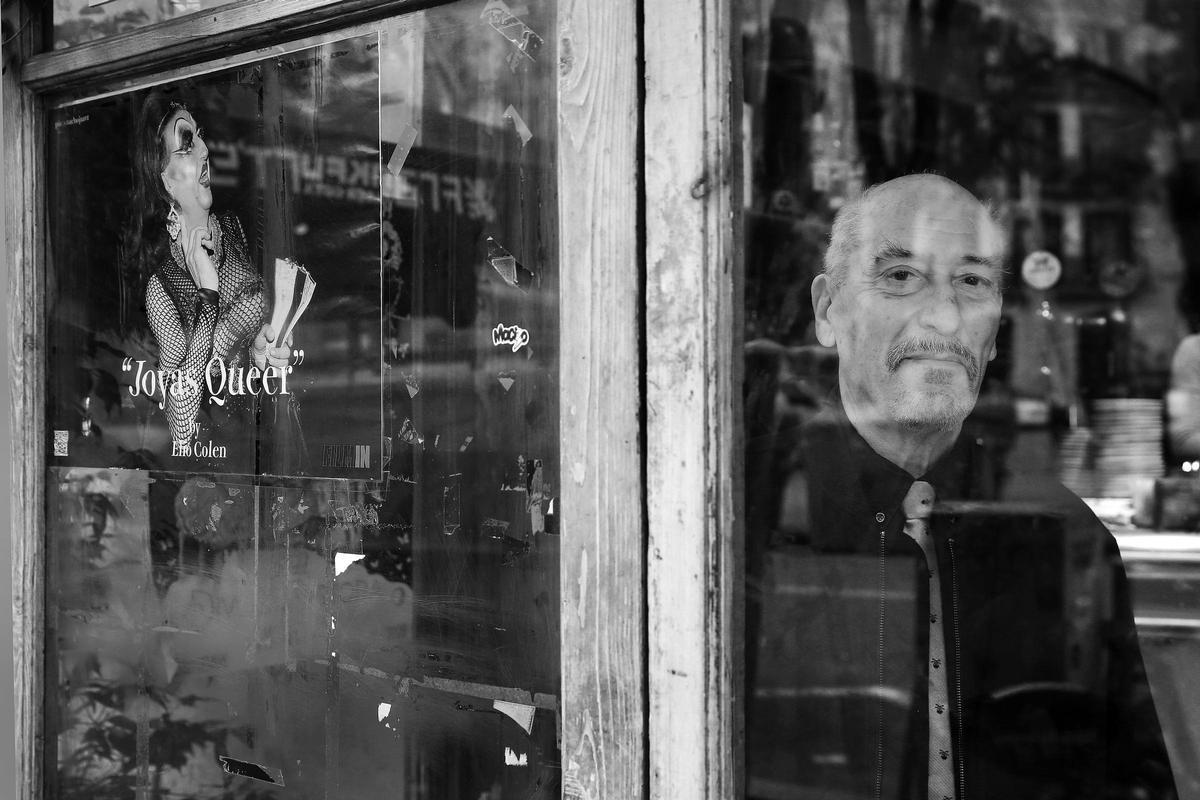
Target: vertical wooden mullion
(693, 235)
(603, 548)
(24, 187)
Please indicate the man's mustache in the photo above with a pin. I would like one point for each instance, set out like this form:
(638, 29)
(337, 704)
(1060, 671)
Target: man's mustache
(950, 349)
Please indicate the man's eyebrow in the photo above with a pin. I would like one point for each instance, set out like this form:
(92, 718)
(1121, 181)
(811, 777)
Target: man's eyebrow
(890, 250)
(984, 261)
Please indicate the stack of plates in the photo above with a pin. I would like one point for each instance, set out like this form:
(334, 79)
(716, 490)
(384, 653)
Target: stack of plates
(1074, 462)
(1128, 444)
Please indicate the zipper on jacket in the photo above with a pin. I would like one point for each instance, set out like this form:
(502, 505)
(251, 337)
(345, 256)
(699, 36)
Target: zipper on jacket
(958, 668)
(879, 693)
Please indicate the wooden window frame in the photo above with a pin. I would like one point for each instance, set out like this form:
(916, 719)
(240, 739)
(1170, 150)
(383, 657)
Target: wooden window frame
(693, 188)
(650, 232)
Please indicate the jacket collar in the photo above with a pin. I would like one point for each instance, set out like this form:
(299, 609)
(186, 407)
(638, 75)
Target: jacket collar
(850, 483)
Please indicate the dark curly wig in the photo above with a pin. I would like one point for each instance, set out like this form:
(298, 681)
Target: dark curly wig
(144, 243)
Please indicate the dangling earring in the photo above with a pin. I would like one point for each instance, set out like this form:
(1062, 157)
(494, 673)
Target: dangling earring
(173, 225)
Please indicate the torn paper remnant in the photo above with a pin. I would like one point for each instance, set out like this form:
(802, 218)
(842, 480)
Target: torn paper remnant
(247, 769)
(522, 129)
(511, 758)
(518, 712)
(514, 273)
(342, 561)
(410, 435)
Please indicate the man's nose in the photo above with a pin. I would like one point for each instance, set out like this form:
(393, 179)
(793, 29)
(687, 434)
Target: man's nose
(940, 312)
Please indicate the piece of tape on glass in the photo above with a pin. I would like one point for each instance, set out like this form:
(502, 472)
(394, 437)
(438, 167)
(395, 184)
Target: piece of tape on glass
(497, 14)
(518, 122)
(404, 145)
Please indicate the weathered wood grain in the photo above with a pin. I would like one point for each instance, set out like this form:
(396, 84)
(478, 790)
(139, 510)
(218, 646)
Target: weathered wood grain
(603, 562)
(24, 188)
(693, 235)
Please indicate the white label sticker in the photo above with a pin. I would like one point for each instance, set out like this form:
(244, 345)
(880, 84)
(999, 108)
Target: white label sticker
(1041, 270)
(513, 335)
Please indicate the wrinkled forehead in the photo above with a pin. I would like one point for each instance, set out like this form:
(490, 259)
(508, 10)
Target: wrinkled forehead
(932, 222)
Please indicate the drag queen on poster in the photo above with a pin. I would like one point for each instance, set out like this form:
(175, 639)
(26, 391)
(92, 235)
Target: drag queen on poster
(204, 299)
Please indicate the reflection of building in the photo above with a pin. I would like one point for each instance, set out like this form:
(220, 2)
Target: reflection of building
(78, 21)
(1082, 111)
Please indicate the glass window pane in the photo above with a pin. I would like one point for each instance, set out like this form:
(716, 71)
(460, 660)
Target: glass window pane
(1049, 408)
(329, 570)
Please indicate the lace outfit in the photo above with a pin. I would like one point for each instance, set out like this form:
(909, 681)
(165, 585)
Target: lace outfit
(191, 331)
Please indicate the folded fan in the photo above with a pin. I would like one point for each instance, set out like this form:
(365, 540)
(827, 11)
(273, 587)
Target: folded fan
(294, 288)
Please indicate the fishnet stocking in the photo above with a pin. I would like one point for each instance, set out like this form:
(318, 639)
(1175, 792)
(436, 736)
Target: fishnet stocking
(191, 333)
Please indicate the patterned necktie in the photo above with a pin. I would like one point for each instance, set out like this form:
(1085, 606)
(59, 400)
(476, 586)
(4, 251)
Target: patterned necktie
(918, 505)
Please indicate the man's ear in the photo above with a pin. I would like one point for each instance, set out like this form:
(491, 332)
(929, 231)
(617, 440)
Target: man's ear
(822, 299)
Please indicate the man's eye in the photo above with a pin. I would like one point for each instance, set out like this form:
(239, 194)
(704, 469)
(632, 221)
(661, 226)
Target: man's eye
(976, 281)
(901, 280)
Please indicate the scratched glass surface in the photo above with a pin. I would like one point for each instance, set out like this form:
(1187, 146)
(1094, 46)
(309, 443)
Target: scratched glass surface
(1078, 121)
(79, 21)
(215, 635)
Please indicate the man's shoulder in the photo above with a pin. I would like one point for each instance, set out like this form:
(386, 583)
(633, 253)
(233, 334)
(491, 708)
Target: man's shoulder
(1056, 499)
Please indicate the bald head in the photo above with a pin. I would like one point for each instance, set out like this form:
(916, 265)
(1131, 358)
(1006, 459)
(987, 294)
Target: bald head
(880, 209)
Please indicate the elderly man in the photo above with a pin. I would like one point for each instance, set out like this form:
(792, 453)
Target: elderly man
(962, 649)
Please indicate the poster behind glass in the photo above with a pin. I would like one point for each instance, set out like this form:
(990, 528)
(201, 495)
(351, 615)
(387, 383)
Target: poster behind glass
(189, 221)
(329, 630)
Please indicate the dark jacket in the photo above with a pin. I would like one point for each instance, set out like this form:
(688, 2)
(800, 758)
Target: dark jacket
(1048, 692)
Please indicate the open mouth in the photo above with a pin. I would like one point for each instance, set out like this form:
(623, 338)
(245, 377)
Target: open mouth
(204, 180)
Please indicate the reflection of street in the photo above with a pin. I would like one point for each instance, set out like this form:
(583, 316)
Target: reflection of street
(206, 615)
(1164, 571)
